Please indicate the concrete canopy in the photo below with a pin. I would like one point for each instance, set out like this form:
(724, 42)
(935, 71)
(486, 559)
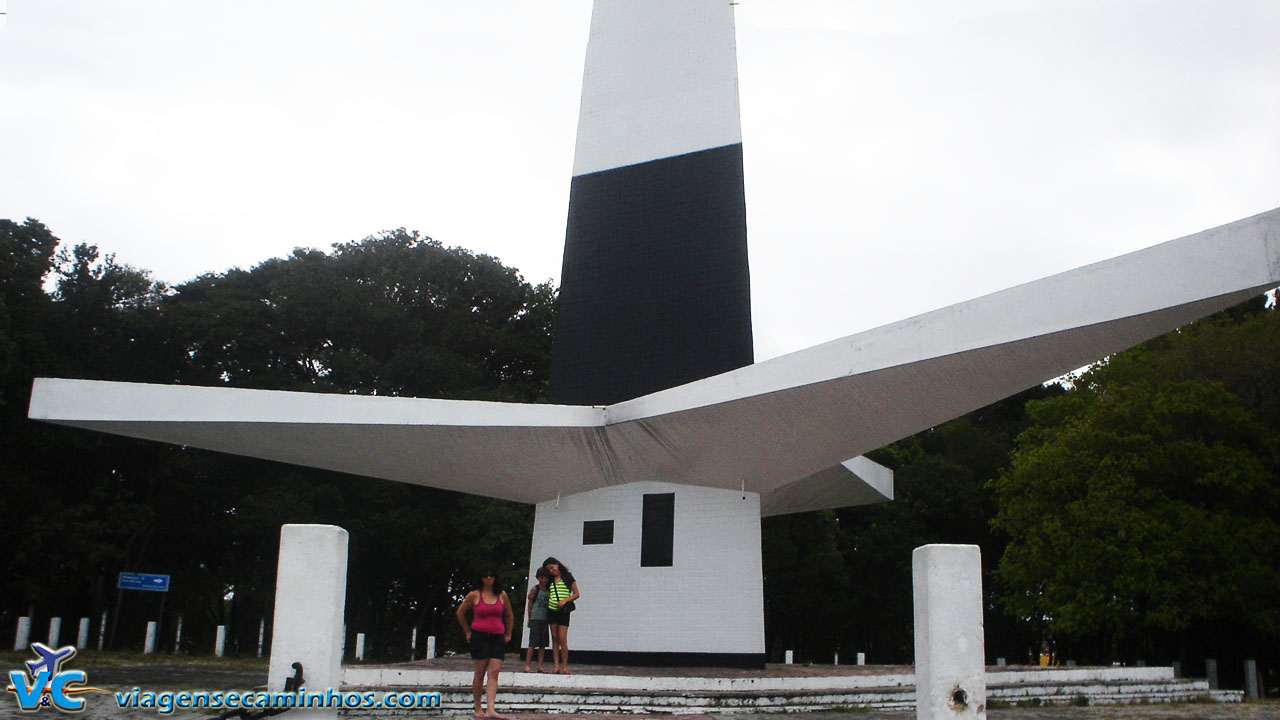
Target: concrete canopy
(784, 428)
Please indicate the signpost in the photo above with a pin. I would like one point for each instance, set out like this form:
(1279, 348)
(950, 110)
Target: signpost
(140, 581)
(143, 581)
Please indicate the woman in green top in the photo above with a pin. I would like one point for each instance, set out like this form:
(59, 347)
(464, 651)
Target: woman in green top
(561, 591)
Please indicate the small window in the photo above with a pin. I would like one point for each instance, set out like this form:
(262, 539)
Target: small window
(597, 532)
(657, 530)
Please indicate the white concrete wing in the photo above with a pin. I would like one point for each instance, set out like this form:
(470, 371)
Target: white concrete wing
(799, 415)
(783, 429)
(512, 451)
(853, 482)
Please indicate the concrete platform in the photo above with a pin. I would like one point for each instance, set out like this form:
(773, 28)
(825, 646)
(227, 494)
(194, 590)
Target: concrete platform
(777, 688)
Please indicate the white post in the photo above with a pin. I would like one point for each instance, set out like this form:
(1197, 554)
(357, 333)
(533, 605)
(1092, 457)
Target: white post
(311, 593)
(413, 645)
(1251, 680)
(950, 677)
(862, 658)
(262, 629)
(102, 631)
(836, 660)
(220, 641)
(150, 645)
(790, 656)
(55, 631)
(82, 637)
(359, 647)
(22, 640)
(177, 637)
(431, 646)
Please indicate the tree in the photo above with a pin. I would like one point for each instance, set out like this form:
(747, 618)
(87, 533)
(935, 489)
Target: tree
(848, 572)
(1141, 508)
(26, 258)
(394, 314)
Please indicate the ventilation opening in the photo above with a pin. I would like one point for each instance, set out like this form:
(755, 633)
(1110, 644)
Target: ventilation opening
(597, 532)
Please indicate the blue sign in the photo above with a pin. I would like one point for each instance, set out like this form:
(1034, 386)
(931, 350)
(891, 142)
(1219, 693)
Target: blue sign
(143, 581)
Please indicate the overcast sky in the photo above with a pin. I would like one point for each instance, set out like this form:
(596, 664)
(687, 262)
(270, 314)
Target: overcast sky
(901, 155)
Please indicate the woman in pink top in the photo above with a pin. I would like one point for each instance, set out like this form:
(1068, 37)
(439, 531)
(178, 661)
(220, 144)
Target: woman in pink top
(488, 635)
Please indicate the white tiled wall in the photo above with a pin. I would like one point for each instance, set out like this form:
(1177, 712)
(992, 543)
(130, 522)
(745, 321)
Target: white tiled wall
(709, 601)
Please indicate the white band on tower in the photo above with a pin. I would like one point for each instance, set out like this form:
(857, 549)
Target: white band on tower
(661, 80)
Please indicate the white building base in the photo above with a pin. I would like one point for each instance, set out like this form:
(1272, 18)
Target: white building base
(705, 606)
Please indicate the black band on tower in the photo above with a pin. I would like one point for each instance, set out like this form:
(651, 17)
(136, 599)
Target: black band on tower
(655, 288)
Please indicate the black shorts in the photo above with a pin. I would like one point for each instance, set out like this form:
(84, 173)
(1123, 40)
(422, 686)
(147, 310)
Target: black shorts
(487, 646)
(558, 617)
(538, 635)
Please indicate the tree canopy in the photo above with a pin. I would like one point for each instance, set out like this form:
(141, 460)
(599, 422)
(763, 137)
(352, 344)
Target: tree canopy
(1141, 508)
(393, 314)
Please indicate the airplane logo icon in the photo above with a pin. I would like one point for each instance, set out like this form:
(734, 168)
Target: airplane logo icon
(49, 684)
(50, 659)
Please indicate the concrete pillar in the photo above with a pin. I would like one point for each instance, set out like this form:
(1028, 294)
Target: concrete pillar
(177, 637)
(220, 641)
(790, 656)
(950, 675)
(413, 645)
(262, 630)
(102, 631)
(311, 592)
(1251, 680)
(55, 631)
(82, 637)
(836, 659)
(862, 658)
(1211, 672)
(149, 646)
(22, 638)
(431, 646)
(359, 647)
